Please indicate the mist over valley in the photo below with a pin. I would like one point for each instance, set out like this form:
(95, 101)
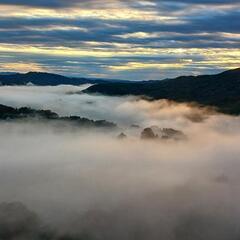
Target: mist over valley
(62, 180)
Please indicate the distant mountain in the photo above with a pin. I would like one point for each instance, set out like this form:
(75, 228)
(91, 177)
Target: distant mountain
(7, 73)
(47, 79)
(221, 90)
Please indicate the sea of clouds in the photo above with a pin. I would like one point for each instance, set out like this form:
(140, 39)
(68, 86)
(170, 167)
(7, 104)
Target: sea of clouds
(89, 183)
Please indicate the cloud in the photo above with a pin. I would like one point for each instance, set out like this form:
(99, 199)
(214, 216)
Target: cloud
(124, 31)
(136, 65)
(87, 182)
(22, 67)
(45, 3)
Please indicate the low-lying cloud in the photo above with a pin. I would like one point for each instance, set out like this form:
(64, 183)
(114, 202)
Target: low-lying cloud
(68, 100)
(89, 184)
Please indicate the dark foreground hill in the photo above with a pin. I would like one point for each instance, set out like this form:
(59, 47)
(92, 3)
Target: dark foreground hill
(24, 113)
(46, 79)
(221, 90)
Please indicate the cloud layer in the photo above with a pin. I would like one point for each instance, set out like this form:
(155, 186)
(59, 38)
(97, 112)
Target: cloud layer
(87, 182)
(110, 38)
(125, 111)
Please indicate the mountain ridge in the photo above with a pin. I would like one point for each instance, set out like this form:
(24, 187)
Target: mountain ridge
(47, 79)
(8, 113)
(221, 91)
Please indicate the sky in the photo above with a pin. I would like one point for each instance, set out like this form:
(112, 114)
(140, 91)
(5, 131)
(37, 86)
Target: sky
(136, 40)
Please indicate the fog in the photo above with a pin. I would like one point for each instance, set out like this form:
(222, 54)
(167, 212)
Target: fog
(90, 185)
(68, 100)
